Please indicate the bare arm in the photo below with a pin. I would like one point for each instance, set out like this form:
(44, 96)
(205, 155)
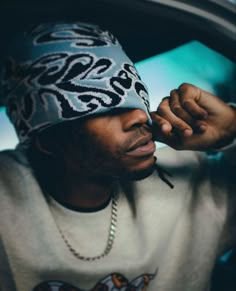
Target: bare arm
(193, 119)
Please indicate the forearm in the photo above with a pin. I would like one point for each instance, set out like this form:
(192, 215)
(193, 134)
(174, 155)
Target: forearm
(228, 139)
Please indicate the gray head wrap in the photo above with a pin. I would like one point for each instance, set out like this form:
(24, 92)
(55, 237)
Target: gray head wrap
(61, 72)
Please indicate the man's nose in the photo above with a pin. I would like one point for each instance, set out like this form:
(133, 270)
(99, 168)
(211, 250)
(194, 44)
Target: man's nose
(134, 118)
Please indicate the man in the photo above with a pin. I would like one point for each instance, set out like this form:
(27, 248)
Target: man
(84, 203)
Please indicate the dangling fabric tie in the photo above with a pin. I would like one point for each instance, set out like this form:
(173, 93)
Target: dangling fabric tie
(161, 173)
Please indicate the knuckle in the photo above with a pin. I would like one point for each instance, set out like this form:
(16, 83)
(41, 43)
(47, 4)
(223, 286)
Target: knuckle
(173, 91)
(165, 99)
(163, 106)
(184, 86)
(186, 90)
(180, 125)
(177, 108)
(155, 116)
(187, 102)
(161, 109)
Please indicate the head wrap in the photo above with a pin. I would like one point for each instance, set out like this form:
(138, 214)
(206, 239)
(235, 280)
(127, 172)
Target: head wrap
(61, 72)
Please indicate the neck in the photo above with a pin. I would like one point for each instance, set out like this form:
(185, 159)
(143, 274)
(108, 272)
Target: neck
(85, 192)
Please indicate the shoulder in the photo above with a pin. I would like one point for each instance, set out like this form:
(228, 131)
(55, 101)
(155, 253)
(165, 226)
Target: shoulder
(189, 171)
(170, 158)
(13, 158)
(173, 169)
(215, 167)
(13, 166)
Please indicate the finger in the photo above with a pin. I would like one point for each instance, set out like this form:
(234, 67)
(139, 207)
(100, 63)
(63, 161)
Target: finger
(160, 123)
(162, 129)
(200, 127)
(178, 109)
(189, 96)
(194, 109)
(178, 124)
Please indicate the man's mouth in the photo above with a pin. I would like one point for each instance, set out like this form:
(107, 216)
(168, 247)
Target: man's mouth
(143, 147)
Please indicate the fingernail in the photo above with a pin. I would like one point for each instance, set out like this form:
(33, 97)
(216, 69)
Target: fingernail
(187, 132)
(202, 128)
(165, 127)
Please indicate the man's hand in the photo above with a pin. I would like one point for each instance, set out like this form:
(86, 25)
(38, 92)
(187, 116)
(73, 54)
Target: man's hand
(193, 119)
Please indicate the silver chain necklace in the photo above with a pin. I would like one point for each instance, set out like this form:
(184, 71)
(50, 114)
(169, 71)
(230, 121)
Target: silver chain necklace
(110, 239)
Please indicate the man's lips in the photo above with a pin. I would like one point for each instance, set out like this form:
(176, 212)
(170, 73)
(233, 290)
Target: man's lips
(143, 147)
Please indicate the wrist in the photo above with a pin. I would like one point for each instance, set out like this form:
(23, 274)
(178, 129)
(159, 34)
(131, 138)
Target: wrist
(230, 140)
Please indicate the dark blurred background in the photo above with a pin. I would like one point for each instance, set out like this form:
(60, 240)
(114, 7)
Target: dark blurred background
(145, 28)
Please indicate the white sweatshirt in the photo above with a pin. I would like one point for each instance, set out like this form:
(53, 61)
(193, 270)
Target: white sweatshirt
(166, 240)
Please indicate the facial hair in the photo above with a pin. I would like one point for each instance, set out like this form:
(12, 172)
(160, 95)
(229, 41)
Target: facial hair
(97, 159)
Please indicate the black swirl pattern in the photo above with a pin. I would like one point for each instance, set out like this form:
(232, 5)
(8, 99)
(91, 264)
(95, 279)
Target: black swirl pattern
(52, 76)
(54, 68)
(62, 82)
(80, 35)
(142, 92)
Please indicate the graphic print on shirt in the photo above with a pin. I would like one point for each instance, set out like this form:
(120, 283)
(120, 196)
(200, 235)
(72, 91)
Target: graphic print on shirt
(112, 282)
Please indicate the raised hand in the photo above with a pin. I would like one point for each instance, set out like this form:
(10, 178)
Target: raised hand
(193, 119)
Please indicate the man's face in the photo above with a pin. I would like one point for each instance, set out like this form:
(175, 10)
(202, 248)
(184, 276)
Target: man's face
(118, 144)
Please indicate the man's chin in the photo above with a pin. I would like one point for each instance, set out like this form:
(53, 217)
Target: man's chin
(139, 174)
